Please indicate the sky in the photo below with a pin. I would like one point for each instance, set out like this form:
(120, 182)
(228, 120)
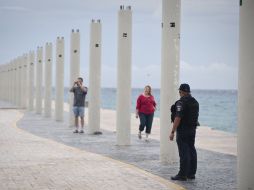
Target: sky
(209, 37)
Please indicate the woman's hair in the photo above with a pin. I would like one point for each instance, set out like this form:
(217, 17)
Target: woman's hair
(150, 89)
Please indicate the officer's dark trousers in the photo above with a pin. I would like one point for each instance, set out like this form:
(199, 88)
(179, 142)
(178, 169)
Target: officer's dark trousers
(146, 120)
(187, 152)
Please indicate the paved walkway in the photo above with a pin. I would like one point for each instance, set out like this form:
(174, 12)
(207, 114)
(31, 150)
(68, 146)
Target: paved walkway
(215, 170)
(31, 162)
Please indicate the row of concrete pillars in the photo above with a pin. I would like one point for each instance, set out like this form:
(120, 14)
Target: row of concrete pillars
(18, 76)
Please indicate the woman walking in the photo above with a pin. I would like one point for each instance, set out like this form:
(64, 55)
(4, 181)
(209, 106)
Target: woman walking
(145, 108)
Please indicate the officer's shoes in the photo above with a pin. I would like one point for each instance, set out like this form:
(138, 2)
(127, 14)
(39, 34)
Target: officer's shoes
(179, 178)
(191, 177)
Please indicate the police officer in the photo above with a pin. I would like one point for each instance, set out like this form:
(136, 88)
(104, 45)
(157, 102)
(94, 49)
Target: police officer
(185, 123)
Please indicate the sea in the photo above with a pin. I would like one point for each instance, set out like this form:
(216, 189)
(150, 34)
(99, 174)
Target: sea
(218, 108)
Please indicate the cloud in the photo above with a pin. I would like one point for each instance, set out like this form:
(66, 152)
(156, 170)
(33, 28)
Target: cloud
(209, 76)
(14, 8)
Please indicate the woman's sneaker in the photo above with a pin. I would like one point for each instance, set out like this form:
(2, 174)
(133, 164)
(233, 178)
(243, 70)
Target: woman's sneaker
(146, 139)
(139, 135)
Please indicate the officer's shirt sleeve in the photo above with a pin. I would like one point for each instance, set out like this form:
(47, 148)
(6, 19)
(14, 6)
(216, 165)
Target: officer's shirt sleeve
(179, 109)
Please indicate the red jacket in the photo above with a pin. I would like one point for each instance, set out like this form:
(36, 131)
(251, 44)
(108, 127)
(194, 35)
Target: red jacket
(145, 104)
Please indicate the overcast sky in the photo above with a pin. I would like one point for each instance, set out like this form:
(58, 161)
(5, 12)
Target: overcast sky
(209, 37)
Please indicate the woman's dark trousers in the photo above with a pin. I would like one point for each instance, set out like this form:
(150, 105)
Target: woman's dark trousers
(146, 120)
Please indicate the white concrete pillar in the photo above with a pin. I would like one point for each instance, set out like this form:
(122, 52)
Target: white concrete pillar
(5, 82)
(31, 81)
(24, 89)
(39, 72)
(169, 75)
(8, 82)
(94, 77)
(48, 80)
(17, 98)
(59, 100)
(74, 68)
(245, 139)
(123, 119)
(13, 82)
(1, 82)
(20, 84)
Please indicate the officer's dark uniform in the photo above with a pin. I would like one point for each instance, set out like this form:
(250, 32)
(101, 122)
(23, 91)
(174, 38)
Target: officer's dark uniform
(187, 108)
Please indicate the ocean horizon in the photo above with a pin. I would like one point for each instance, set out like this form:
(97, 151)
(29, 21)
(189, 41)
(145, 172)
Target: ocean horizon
(218, 108)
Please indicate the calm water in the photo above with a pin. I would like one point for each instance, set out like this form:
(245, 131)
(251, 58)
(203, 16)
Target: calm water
(218, 108)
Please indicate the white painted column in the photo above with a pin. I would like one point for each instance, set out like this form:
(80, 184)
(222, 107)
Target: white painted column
(8, 82)
(59, 100)
(48, 80)
(123, 119)
(245, 139)
(74, 68)
(39, 72)
(31, 81)
(94, 77)
(1, 82)
(169, 75)
(17, 98)
(5, 82)
(24, 89)
(13, 82)
(20, 84)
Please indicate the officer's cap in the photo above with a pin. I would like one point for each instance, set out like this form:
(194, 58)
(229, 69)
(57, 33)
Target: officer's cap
(184, 87)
